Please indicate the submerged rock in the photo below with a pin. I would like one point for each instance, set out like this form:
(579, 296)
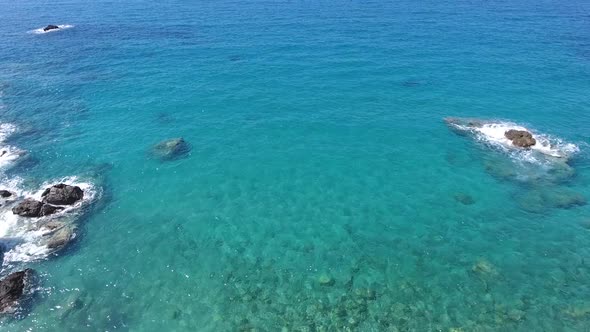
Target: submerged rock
(32, 208)
(50, 27)
(464, 199)
(12, 289)
(326, 280)
(484, 268)
(171, 149)
(59, 234)
(62, 194)
(538, 201)
(520, 138)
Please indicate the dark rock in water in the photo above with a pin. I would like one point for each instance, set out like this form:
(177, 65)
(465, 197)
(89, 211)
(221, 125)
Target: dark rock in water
(171, 149)
(12, 289)
(410, 83)
(32, 208)
(5, 193)
(50, 27)
(520, 138)
(464, 199)
(62, 194)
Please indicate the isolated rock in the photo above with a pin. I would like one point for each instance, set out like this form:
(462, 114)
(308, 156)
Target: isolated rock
(520, 138)
(32, 208)
(50, 27)
(12, 289)
(62, 194)
(5, 193)
(464, 198)
(171, 149)
(326, 280)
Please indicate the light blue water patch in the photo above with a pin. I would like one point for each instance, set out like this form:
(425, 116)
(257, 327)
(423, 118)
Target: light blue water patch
(323, 190)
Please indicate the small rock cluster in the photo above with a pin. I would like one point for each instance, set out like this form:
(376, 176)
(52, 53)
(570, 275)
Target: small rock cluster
(57, 233)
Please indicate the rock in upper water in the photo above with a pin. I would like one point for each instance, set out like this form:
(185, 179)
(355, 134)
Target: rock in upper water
(50, 27)
(171, 149)
(32, 208)
(12, 289)
(62, 194)
(520, 138)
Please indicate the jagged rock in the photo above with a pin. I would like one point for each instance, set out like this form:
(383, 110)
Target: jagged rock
(12, 289)
(520, 138)
(32, 208)
(171, 149)
(62, 194)
(50, 27)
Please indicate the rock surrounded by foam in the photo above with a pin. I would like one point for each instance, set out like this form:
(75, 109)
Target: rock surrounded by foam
(5, 193)
(12, 289)
(62, 194)
(34, 209)
(50, 27)
(59, 234)
(520, 138)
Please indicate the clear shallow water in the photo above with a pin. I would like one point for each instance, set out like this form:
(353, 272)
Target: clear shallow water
(319, 154)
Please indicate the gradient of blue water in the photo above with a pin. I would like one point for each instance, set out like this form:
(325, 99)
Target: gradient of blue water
(318, 149)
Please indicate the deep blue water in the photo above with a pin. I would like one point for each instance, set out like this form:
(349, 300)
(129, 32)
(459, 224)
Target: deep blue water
(323, 190)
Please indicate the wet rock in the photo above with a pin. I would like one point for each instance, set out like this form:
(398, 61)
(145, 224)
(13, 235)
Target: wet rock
(12, 289)
(59, 234)
(326, 280)
(5, 194)
(62, 194)
(32, 208)
(464, 199)
(520, 138)
(50, 27)
(171, 149)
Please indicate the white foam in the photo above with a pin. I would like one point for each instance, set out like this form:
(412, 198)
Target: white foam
(21, 237)
(493, 133)
(61, 27)
(8, 154)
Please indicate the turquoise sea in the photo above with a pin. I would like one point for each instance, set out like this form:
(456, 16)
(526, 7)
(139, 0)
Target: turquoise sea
(323, 190)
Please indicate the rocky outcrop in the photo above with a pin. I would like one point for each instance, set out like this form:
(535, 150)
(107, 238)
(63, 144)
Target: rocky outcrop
(50, 27)
(62, 194)
(520, 138)
(12, 289)
(171, 149)
(32, 208)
